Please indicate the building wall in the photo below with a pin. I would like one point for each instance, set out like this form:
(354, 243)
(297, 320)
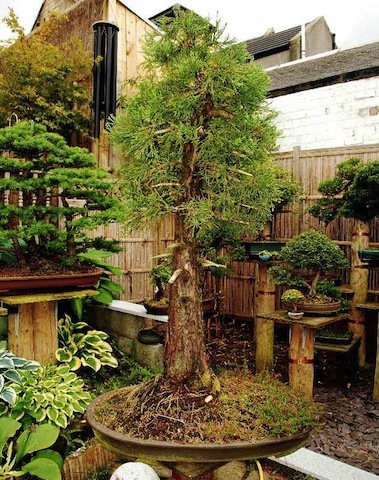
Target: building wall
(274, 60)
(344, 114)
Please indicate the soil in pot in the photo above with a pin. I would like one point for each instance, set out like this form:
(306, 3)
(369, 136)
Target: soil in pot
(247, 408)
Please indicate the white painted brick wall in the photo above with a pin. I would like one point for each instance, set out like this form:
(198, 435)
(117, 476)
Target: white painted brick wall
(334, 116)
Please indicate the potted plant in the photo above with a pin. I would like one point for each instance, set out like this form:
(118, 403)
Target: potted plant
(196, 137)
(160, 275)
(309, 257)
(293, 297)
(50, 196)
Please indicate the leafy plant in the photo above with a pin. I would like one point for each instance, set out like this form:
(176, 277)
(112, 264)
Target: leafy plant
(82, 347)
(45, 80)
(108, 290)
(67, 197)
(310, 251)
(11, 368)
(17, 456)
(51, 394)
(293, 296)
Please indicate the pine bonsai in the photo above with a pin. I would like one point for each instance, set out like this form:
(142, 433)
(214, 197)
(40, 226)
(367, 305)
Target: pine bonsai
(50, 195)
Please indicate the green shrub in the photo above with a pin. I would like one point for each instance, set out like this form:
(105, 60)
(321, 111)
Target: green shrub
(83, 348)
(17, 455)
(50, 394)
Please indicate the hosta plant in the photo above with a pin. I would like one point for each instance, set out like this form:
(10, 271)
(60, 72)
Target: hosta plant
(18, 455)
(81, 346)
(10, 368)
(50, 394)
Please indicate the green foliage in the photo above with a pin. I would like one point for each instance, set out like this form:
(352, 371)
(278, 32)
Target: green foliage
(11, 368)
(69, 190)
(17, 456)
(108, 289)
(51, 394)
(292, 295)
(82, 347)
(312, 251)
(129, 372)
(197, 135)
(44, 78)
(353, 193)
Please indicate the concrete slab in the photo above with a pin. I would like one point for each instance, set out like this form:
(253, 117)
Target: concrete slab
(322, 467)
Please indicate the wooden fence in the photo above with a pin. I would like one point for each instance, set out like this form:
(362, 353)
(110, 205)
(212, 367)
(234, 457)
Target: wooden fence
(238, 289)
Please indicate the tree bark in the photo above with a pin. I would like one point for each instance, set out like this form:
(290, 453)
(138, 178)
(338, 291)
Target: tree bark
(185, 356)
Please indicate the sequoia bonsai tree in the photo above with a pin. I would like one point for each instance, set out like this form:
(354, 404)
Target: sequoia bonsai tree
(50, 195)
(196, 138)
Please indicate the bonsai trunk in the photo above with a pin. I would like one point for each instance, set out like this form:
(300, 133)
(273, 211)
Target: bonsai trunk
(185, 356)
(313, 288)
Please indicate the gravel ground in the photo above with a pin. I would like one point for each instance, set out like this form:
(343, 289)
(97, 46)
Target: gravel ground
(349, 428)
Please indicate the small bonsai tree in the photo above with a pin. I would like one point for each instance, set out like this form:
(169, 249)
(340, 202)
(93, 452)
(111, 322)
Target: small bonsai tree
(292, 296)
(309, 252)
(352, 193)
(50, 194)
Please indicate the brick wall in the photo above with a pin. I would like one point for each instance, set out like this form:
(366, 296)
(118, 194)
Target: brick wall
(338, 115)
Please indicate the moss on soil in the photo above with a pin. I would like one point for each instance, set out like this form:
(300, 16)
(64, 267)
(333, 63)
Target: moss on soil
(247, 408)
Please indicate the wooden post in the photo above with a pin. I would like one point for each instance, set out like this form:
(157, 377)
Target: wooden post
(264, 329)
(32, 323)
(32, 332)
(359, 283)
(375, 393)
(296, 176)
(301, 358)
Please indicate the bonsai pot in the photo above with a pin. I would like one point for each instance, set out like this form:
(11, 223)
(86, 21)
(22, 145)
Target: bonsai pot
(149, 337)
(319, 308)
(206, 453)
(81, 280)
(369, 256)
(295, 315)
(156, 309)
(253, 248)
(340, 337)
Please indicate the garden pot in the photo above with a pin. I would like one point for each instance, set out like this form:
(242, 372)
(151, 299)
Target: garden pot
(342, 338)
(173, 453)
(319, 308)
(309, 308)
(295, 315)
(253, 248)
(370, 256)
(149, 337)
(156, 309)
(31, 283)
(265, 257)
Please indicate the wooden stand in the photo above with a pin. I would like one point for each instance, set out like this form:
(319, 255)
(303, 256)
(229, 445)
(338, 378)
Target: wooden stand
(32, 323)
(263, 329)
(301, 350)
(359, 283)
(373, 306)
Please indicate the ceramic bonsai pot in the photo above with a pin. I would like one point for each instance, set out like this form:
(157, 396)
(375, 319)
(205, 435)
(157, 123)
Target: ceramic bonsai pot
(310, 308)
(172, 452)
(81, 280)
(149, 337)
(295, 315)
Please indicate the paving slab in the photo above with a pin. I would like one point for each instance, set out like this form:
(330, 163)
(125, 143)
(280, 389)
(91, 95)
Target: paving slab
(322, 467)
